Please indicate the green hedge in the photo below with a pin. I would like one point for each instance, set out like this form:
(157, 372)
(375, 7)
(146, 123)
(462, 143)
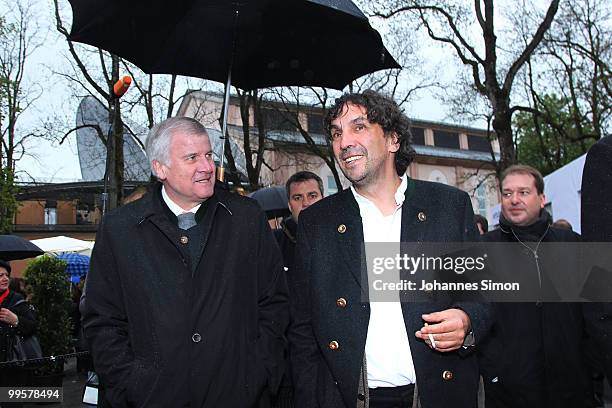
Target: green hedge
(51, 297)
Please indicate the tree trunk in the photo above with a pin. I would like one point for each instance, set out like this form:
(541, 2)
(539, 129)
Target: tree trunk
(502, 124)
(114, 147)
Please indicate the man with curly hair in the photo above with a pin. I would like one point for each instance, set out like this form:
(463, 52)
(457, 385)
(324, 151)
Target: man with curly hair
(347, 350)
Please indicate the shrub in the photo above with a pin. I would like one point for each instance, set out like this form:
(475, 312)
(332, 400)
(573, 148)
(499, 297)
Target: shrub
(51, 297)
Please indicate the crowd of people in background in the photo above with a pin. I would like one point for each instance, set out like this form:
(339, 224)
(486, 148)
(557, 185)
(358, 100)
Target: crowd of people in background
(193, 301)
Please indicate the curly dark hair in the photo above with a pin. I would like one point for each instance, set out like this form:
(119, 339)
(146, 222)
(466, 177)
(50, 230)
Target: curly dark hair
(383, 111)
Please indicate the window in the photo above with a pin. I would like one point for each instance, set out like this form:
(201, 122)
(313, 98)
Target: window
(478, 143)
(276, 120)
(315, 123)
(51, 212)
(481, 195)
(332, 187)
(418, 136)
(50, 216)
(446, 139)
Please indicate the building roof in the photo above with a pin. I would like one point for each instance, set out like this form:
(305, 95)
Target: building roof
(461, 154)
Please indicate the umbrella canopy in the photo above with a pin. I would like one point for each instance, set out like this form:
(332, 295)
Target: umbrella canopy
(62, 243)
(273, 200)
(261, 43)
(13, 247)
(77, 265)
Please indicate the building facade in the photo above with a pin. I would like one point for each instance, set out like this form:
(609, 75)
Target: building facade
(451, 154)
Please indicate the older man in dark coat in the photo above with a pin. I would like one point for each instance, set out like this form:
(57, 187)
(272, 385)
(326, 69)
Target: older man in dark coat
(186, 299)
(347, 351)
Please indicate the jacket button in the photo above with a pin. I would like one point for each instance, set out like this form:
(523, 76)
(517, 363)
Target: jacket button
(196, 337)
(360, 397)
(341, 302)
(447, 375)
(184, 240)
(421, 216)
(333, 345)
(342, 228)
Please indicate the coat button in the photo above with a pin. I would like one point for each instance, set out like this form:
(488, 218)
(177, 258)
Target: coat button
(447, 375)
(341, 302)
(360, 397)
(342, 228)
(333, 345)
(196, 337)
(184, 240)
(421, 216)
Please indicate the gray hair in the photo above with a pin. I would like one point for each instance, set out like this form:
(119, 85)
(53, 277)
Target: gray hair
(160, 137)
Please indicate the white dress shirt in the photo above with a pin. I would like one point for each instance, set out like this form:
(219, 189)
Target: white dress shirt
(174, 207)
(388, 356)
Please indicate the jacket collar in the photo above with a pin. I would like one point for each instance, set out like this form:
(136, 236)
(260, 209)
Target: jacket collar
(352, 240)
(532, 232)
(152, 205)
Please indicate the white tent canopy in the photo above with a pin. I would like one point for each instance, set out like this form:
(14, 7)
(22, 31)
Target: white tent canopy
(562, 188)
(62, 243)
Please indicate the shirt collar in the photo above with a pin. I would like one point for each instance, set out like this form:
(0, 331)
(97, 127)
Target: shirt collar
(174, 207)
(400, 193)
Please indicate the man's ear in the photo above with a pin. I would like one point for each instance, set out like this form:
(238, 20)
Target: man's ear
(394, 144)
(160, 170)
(543, 201)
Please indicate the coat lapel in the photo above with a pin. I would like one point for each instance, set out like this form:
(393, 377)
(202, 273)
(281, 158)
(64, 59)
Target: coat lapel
(414, 215)
(349, 231)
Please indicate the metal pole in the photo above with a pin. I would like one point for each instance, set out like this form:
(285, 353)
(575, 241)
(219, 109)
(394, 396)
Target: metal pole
(221, 173)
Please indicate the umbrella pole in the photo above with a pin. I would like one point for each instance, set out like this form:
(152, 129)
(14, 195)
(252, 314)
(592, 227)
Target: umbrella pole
(221, 172)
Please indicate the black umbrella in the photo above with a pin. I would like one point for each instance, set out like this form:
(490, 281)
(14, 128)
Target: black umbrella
(261, 43)
(13, 247)
(248, 43)
(273, 200)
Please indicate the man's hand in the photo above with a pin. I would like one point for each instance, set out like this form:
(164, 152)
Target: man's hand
(448, 329)
(8, 317)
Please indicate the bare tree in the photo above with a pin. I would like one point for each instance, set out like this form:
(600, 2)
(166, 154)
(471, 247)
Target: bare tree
(96, 71)
(447, 22)
(577, 66)
(18, 39)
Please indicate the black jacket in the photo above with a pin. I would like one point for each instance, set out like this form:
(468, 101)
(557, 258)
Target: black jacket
(538, 346)
(286, 237)
(329, 266)
(596, 220)
(27, 322)
(166, 329)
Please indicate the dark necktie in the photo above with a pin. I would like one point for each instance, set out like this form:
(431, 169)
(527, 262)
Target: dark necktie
(186, 220)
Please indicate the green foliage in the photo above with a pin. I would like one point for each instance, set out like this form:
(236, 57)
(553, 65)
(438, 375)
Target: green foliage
(51, 298)
(548, 142)
(8, 202)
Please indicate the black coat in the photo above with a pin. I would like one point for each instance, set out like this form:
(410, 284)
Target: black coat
(169, 330)
(286, 238)
(536, 347)
(27, 322)
(596, 220)
(328, 267)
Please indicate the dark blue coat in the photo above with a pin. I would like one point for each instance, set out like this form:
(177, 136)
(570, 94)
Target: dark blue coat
(328, 267)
